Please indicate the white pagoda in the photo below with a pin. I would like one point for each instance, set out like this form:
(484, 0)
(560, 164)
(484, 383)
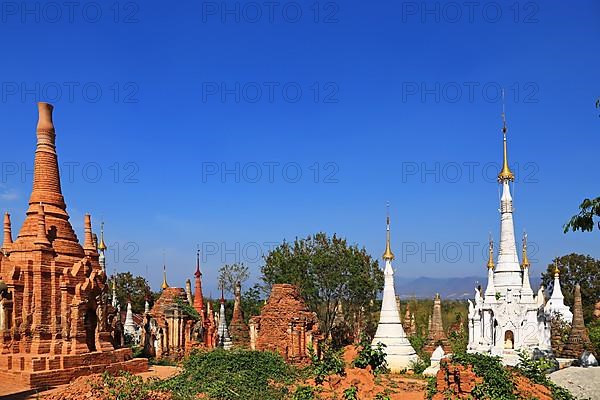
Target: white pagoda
(556, 304)
(399, 352)
(507, 317)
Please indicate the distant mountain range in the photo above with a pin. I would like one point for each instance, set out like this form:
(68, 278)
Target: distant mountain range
(448, 288)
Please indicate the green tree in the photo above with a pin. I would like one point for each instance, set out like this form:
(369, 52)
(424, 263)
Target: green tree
(328, 273)
(252, 302)
(231, 274)
(584, 221)
(132, 287)
(574, 269)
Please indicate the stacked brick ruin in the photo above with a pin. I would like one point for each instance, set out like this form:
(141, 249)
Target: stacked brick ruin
(53, 308)
(436, 336)
(286, 326)
(240, 334)
(578, 338)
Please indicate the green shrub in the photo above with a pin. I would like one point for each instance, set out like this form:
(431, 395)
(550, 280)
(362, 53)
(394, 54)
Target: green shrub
(594, 332)
(303, 392)
(497, 380)
(123, 386)
(351, 393)
(419, 365)
(330, 363)
(369, 355)
(234, 374)
(382, 396)
(536, 371)
(431, 387)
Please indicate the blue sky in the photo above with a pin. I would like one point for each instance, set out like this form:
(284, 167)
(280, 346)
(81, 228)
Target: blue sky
(318, 113)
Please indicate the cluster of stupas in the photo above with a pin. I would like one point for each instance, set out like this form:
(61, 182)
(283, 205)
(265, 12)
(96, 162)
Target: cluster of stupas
(58, 321)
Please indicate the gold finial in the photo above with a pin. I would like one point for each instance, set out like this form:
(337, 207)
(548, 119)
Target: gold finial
(164, 283)
(525, 263)
(556, 271)
(490, 263)
(102, 245)
(388, 255)
(506, 174)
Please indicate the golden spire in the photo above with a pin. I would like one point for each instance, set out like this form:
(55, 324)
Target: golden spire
(490, 263)
(388, 255)
(525, 262)
(506, 174)
(102, 245)
(164, 283)
(556, 271)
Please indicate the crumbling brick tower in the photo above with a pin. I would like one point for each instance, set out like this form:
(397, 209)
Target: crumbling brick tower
(53, 308)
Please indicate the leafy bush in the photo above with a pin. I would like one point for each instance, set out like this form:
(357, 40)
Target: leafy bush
(234, 374)
(351, 393)
(497, 380)
(369, 355)
(382, 396)
(458, 341)
(331, 363)
(304, 393)
(419, 365)
(431, 387)
(594, 332)
(536, 371)
(124, 386)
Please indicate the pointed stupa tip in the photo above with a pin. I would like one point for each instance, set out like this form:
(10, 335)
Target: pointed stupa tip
(88, 243)
(164, 284)
(490, 263)
(102, 246)
(388, 255)
(7, 230)
(45, 122)
(525, 263)
(198, 274)
(505, 174)
(556, 271)
(222, 294)
(41, 238)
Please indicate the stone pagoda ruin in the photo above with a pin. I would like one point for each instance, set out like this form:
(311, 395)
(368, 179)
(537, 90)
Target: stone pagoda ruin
(578, 340)
(286, 326)
(436, 336)
(239, 331)
(399, 352)
(53, 291)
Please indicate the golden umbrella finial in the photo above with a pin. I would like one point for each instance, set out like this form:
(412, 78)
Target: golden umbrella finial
(388, 255)
(490, 263)
(525, 263)
(556, 271)
(102, 245)
(505, 174)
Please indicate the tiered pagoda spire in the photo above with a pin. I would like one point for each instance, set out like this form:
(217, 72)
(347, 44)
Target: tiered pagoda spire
(526, 291)
(389, 330)
(223, 332)
(507, 274)
(47, 191)
(8, 241)
(198, 296)
(490, 291)
(579, 339)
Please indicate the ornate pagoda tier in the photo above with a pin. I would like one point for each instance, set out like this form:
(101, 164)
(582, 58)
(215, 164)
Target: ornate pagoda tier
(53, 306)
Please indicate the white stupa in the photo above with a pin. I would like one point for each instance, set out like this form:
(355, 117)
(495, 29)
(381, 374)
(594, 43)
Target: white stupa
(129, 327)
(556, 303)
(399, 352)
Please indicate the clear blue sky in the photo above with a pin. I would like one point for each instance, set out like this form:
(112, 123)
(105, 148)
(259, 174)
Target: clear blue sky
(388, 90)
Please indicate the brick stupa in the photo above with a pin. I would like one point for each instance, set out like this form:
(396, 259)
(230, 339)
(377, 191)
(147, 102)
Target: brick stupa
(286, 326)
(578, 338)
(239, 331)
(53, 302)
(436, 336)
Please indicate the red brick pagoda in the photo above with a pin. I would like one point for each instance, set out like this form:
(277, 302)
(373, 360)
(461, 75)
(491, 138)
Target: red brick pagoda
(53, 291)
